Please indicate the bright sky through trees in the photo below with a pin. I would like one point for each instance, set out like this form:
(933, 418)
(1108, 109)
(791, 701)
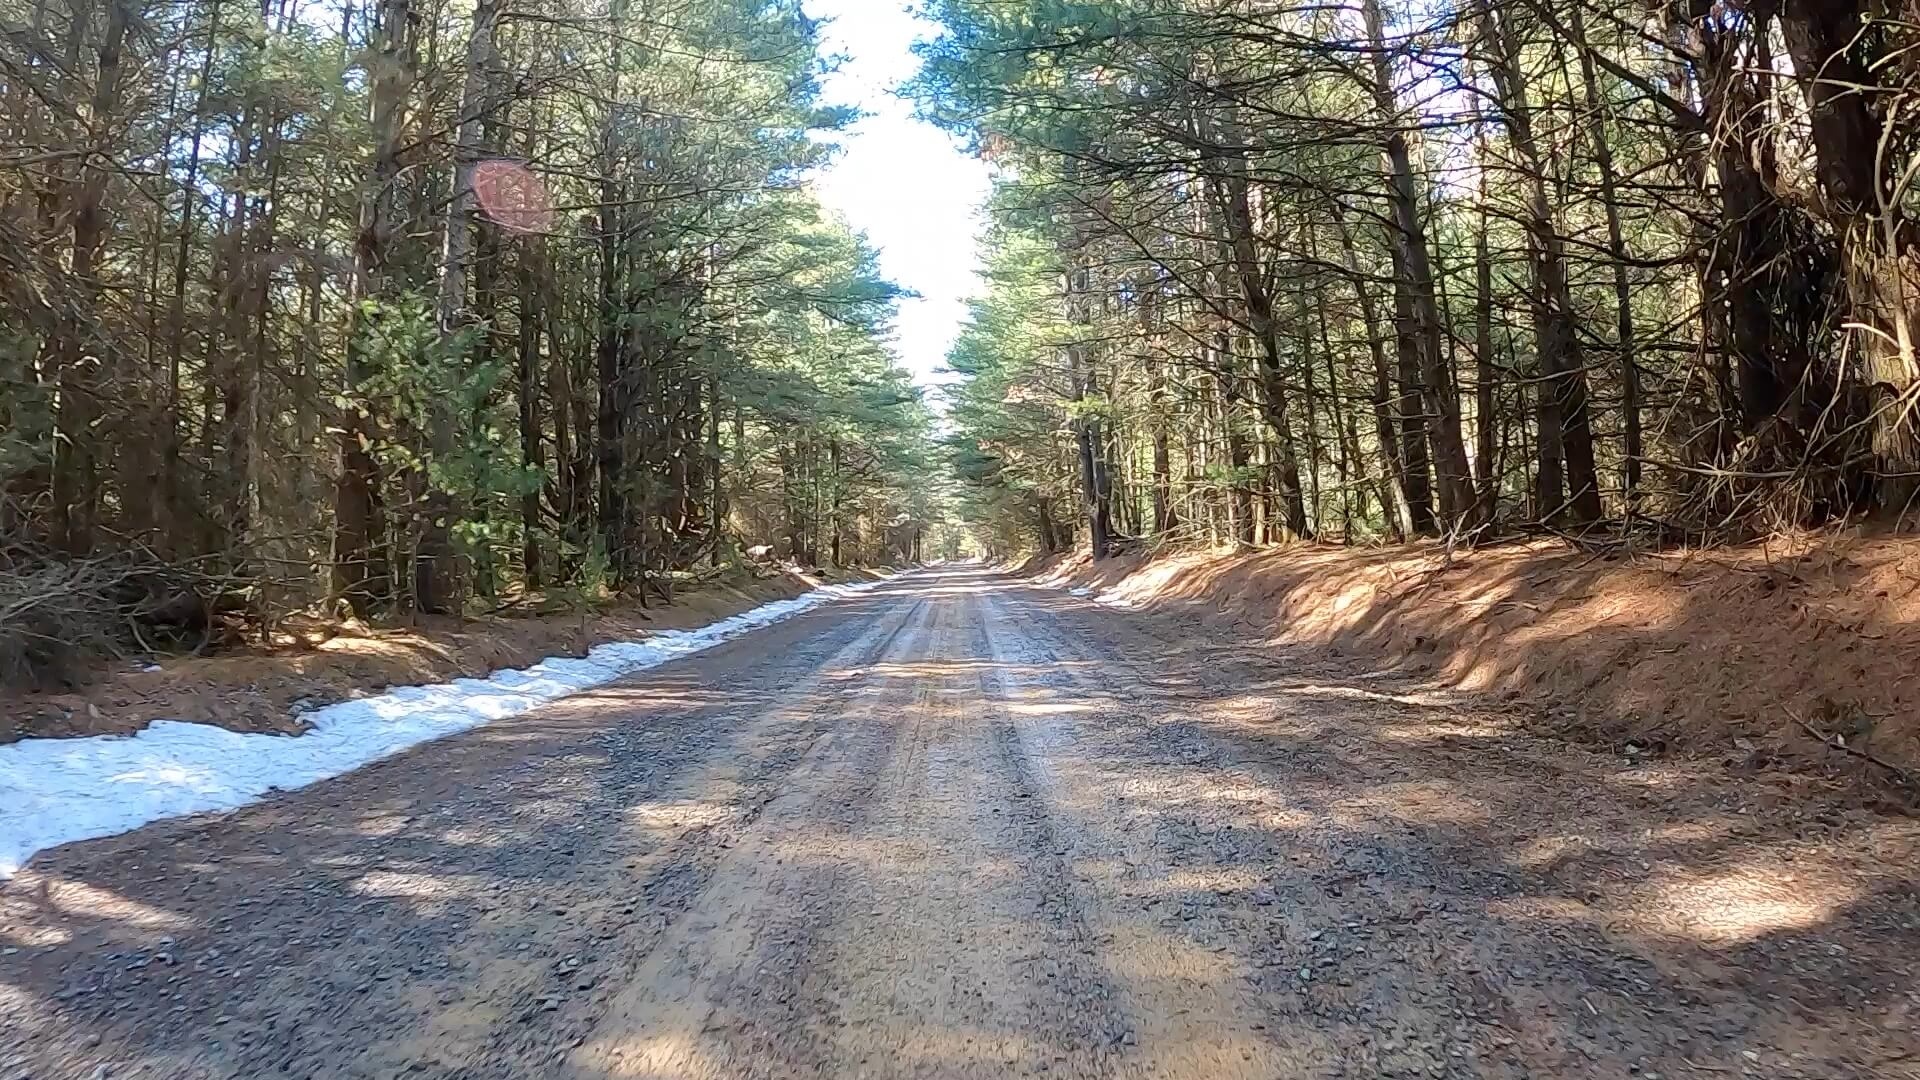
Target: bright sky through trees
(907, 185)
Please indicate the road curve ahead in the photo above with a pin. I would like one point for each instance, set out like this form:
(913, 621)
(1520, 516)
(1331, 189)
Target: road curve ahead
(959, 827)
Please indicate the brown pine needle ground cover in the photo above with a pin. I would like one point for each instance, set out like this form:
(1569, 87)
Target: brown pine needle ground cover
(1761, 653)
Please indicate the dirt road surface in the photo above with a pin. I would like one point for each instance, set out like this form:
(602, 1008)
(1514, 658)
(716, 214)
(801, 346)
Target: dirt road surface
(958, 827)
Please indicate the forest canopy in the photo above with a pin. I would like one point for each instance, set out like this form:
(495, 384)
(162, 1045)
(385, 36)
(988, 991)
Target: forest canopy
(1270, 270)
(410, 304)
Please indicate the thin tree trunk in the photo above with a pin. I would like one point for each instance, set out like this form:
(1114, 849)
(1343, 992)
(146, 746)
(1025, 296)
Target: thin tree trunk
(1617, 252)
(168, 488)
(611, 419)
(1309, 398)
(1086, 430)
(437, 581)
(1405, 519)
(1563, 390)
(1409, 419)
(1239, 455)
(75, 470)
(560, 407)
(1485, 374)
(1346, 439)
(361, 570)
(532, 448)
(833, 511)
(1164, 516)
(1237, 209)
(1414, 267)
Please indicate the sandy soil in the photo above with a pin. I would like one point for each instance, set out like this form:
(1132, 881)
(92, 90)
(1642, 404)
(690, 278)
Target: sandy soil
(1729, 652)
(961, 827)
(268, 687)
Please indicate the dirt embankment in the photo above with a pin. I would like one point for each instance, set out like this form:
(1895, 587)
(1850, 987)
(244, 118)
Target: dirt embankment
(267, 688)
(1734, 651)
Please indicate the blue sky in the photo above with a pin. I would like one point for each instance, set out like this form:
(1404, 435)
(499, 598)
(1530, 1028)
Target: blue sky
(906, 184)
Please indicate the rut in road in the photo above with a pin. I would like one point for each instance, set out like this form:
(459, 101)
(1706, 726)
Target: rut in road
(959, 827)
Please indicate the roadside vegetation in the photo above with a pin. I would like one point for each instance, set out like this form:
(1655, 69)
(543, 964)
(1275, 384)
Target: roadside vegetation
(417, 307)
(1377, 272)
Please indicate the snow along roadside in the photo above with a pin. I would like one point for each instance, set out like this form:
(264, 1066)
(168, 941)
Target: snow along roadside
(56, 791)
(1098, 598)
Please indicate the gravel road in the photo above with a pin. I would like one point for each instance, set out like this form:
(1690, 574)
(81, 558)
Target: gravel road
(960, 827)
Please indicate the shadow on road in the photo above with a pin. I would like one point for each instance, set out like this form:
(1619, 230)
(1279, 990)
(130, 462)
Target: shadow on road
(1127, 816)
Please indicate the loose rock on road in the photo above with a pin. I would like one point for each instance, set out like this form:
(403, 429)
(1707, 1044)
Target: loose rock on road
(961, 827)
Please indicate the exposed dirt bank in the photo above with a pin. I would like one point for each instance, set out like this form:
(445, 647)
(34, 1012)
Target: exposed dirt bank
(1725, 651)
(267, 688)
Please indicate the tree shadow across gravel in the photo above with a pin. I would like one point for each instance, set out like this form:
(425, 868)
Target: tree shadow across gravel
(313, 934)
(1662, 914)
(1393, 882)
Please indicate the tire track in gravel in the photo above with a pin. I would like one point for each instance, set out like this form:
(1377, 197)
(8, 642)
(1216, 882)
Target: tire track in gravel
(962, 828)
(1361, 857)
(901, 914)
(684, 1012)
(441, 927)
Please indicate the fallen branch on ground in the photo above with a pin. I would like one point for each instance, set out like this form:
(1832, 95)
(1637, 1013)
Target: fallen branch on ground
(1835, 742)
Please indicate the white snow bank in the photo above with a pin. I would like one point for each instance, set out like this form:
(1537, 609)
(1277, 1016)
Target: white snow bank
(56, 791)
(1102, 598)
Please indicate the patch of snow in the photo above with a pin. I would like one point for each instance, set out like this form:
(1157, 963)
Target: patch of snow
(56, 791)
(1106, 600)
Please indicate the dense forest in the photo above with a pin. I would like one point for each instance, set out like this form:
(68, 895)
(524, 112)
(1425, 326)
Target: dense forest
(409, 306)
(406, 305)
(1264, 270)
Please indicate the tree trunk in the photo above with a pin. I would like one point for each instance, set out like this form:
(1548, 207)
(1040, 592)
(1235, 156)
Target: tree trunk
(1346, 439)
(81, 376)
(1409, 418)
(1239, 455)
(167, 493)
(361, 571)
(1086, 430)
(532, 448)
(1413, 267)
(1237, 208)
(1617, 251)
(1838, 70)
(229, 372)
(1485, 374)
(1405, 518)
(833, 497)
(611, 420)
(717, 471)
(1309, 398)
(437, 584)
(560, 406)
(1164, 517)
(1563, 390)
